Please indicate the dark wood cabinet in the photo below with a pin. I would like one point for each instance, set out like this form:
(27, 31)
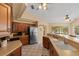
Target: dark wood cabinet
(19, 27)
(46, 42)
(25, 39)
(55, 53)
(52, 50)
(16, 52)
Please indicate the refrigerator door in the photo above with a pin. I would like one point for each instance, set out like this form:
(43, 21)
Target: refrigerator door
(35, 31)
(33, 35)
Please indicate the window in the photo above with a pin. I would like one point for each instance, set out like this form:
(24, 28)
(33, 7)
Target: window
(77, 30)
(65, 30)
(60, 30)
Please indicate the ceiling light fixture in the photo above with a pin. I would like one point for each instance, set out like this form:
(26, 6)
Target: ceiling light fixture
(43, 6)
(67, 18)
(40, 6)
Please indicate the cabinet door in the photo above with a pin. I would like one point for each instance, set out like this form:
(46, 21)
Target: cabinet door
(5, 17)
(21, 27)
(17, 52)
(55, 53)
(46, 42)
(25, 40)
(51, 49)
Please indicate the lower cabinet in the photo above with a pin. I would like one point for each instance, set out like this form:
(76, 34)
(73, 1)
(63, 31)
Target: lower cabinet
(52, 50)
(25, 39)
(16, 52)
(46, 42)
(55, 53)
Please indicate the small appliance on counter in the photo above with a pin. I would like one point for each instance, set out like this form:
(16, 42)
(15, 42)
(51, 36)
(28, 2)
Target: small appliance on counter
(3, 41)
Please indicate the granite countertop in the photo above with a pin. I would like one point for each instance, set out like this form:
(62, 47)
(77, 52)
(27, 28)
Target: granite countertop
(64, 49)
(12, 45)
(74, 39)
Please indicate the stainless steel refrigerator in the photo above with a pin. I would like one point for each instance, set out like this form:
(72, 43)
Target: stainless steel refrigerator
(33, 35)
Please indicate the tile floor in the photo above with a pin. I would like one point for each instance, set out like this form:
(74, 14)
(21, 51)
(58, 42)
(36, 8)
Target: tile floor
(34, 50)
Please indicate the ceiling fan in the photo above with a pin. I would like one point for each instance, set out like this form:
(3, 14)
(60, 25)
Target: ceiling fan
(67, 18)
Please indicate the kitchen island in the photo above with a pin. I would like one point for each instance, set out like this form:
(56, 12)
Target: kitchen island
(73, 41)
(59, 47)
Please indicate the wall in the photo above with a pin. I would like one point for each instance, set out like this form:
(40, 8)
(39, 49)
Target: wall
(75, 22)
(72, 25)
(45, 26)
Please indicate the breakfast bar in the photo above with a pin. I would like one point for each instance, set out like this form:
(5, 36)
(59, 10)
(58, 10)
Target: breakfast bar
(61, 45)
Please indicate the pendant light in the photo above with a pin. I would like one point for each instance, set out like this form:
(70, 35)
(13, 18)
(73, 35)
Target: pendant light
(67, 18)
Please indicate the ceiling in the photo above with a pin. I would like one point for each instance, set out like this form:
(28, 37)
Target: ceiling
(55, 12)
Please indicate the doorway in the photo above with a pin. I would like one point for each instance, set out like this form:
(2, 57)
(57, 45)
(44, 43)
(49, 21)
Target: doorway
(40, 34)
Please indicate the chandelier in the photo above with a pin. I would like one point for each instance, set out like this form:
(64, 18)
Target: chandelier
(67, 17)
(41, 6)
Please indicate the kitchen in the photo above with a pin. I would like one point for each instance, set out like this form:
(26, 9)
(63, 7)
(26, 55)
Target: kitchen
(21, 28)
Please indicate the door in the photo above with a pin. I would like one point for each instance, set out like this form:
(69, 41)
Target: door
(40, 34)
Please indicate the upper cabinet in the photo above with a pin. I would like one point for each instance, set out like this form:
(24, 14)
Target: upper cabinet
(20, 27)
(5, 18)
